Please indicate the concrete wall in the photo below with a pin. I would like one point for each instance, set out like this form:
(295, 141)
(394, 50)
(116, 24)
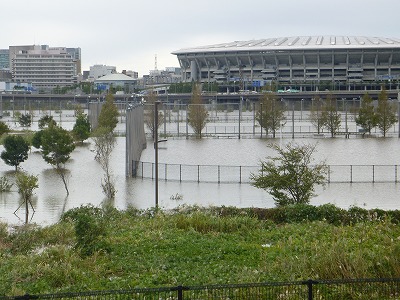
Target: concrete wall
(135, 138)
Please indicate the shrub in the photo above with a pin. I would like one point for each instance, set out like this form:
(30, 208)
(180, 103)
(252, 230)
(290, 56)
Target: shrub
(332, 214)
(90, 229)
(5, 185)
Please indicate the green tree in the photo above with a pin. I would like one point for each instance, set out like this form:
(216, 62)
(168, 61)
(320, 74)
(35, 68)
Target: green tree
(4, 128)
(385, 113)
(81, 130)
(367, 117)
(197, 112)
(46, 121)
(37, 139)
(25, 120)
(16, 150)
(108, 117)
(291, 176)
(26, 184)
(271, 113)
(57, 145)
(149, 116)
(104, 142)
(330, 115)
(316, 114)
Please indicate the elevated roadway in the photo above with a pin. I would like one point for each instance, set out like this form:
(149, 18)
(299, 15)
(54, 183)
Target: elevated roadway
(54, 99)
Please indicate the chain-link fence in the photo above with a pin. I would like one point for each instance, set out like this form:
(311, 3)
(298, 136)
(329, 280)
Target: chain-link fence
(242, 174)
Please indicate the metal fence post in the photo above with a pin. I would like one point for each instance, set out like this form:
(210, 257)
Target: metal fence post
(373, 173)
(180, 292)
(351, 174)
(310, 284)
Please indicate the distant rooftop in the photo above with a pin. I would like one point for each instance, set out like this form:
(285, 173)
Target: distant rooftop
(115, 77)
(298, 42)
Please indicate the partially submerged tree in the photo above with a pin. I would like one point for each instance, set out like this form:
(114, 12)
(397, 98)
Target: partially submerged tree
(15, 151)
(385, 113)
(25, 120)
(26, 184)
(57, 145)
(197, 112)
(291, 176)
(316, 114)
(271, 113)
(46, 121)
(108, 117)
(4, 128)
(104, 141)
(81, 130)
(149, 115)
(330, 115)
(367, 118)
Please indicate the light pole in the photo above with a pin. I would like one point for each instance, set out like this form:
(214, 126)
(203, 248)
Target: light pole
(156, 150)
(301, 109)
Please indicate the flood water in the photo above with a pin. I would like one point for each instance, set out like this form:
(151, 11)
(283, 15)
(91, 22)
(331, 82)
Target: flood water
(85, 174)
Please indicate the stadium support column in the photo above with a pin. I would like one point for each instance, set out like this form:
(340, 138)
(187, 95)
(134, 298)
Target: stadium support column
(193, 71)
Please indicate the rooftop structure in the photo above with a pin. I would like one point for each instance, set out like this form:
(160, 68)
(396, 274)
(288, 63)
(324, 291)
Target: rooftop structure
(342, 61)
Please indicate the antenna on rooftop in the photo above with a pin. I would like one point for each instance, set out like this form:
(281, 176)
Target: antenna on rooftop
(155, 62)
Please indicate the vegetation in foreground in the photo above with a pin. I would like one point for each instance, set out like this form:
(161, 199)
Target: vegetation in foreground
(98, 249)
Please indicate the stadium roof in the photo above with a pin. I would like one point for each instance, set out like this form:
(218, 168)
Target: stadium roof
(298, 42)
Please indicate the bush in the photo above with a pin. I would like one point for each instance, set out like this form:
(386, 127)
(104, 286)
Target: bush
(5, 185)
(90, 229)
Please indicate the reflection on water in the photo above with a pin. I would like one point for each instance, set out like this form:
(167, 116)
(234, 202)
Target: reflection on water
(85, 175)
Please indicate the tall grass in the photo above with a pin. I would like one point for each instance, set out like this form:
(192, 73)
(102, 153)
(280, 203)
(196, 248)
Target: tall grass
(194, 246)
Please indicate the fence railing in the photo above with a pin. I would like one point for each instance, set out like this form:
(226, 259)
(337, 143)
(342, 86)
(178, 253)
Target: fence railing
(241, 174)
(370, 289)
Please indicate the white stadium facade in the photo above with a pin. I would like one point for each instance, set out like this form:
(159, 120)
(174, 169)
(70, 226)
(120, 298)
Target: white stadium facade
(303, 62)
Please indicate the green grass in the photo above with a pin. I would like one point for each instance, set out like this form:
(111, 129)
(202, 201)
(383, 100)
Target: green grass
(195, 246)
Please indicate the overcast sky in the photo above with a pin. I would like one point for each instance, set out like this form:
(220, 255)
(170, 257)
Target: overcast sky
(129, 34)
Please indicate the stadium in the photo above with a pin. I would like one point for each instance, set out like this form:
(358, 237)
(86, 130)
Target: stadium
(303, 63)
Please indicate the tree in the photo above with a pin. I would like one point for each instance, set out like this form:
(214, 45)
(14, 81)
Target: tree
(330, 115)
(271, 113)
(4, 128)
(104, 141)
(149, 116)
(16, 150)
(316, 114)
(25, 120)
(45, 121)
(108, 117)
(291, 176)
(57, 145)
(197, 112)
(81, 130)
(385, 113)
(366, 118)
(26, 184)
(37, 139)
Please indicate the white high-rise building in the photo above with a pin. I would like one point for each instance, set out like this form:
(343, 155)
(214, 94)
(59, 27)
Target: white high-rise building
(43, 66)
